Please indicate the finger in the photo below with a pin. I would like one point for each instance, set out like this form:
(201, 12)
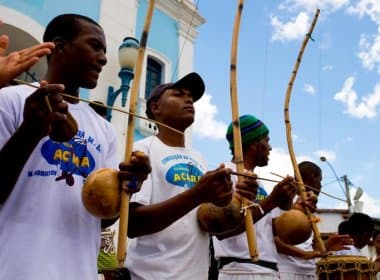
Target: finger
(43, 91)
(4, 43)
(43, 83)
(125, 175)
(37, 50)
(135, 167)
(57, 116)
(29, 59)
(223, 199)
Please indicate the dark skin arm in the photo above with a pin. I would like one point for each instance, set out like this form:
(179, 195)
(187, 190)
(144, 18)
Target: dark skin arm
(291, 250)
(335, 242)
(36, 125)
(215, 186)
(228, 221)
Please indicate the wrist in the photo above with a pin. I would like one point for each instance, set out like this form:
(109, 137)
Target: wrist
(267, 205)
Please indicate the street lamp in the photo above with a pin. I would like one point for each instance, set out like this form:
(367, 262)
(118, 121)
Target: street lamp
(345, 190)
(127, 60)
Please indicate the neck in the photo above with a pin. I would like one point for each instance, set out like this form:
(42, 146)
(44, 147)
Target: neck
(248, 164)
(170, 137)
(53, 77)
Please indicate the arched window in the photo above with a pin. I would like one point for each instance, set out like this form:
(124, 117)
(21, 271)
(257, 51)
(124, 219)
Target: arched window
(153, 75)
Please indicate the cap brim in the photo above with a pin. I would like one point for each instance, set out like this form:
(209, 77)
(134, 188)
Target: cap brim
(194, 83)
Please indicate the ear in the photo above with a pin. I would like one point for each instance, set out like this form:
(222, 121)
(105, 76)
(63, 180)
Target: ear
(155, 108)
(59, 43)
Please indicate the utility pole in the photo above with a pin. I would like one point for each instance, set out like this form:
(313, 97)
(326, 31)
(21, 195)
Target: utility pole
(347, 185)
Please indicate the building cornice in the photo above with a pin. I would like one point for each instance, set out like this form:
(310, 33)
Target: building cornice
(185, 13)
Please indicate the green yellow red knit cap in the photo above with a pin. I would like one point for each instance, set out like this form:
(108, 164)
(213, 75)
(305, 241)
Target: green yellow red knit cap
(251, 129)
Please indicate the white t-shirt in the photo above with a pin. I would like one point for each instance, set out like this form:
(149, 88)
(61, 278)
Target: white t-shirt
(352, 251)
(287, 263)
(236, 246)
(180, 251)
(46, 233)
(292, 264)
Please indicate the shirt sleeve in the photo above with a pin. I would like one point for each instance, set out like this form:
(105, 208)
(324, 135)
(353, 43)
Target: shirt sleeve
(111, 158)
(9, 111)
(144, 195)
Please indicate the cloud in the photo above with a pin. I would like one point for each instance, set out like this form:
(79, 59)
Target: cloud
(279, 163)
(205, 124)
(296, 28)
(327, 68)
(370, 8)
(328, 6)
(309, 89)
(369, 53)
(366, 107)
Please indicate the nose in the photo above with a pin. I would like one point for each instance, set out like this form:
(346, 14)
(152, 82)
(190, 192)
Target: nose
(102, 59)
(189, 98)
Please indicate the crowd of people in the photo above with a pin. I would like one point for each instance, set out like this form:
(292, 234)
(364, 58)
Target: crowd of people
(186, 220)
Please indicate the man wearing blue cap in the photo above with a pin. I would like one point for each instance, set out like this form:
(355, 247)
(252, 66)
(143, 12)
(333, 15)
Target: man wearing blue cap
(232, 253)
(166, 240)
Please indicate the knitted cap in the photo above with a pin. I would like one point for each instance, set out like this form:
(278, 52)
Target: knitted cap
(251, 129)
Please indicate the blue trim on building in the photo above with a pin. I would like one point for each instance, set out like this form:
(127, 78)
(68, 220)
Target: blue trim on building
(43, 11)
(163, 34)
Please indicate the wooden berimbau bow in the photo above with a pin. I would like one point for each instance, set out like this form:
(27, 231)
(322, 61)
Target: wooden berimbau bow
(124, 207)
(288, 127)
(238, 150)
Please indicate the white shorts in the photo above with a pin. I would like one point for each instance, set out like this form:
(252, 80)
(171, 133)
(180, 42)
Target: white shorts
(296, 276)
(245, 276)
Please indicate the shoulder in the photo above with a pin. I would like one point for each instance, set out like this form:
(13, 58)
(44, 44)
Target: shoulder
(144, 144)
(16, 93)
(12, 101)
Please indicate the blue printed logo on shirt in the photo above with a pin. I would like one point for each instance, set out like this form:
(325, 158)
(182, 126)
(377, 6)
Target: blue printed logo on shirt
(183, 175)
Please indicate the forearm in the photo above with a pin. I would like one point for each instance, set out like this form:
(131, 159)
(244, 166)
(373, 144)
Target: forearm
(264, 207)
(291, 250)
(13, 157)
(148, 219)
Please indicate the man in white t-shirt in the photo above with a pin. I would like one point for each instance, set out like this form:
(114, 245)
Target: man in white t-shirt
(46, 233)
(231, 250)
(166, 241)
(298, 262)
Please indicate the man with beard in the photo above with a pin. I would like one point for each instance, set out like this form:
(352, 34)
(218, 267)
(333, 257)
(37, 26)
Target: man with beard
(231, 250)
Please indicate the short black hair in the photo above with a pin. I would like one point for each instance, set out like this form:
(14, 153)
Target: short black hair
(65, 26)
(307, 167)
(360, 223)
(343, 227)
